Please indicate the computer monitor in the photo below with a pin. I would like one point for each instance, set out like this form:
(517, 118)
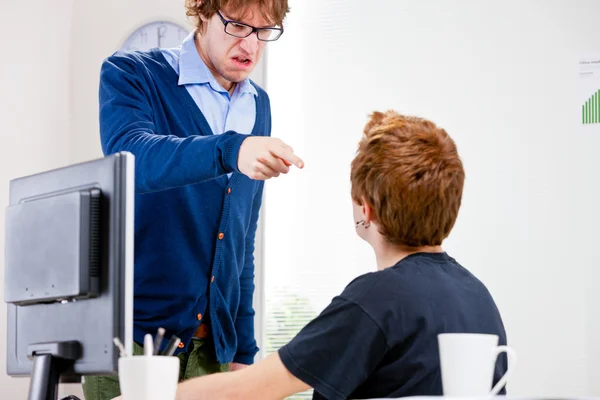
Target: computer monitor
(69, 272)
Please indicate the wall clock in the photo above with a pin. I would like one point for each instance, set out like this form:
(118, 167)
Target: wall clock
(163, 34)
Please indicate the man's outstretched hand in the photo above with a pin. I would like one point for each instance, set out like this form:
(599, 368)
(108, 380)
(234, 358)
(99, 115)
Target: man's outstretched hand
(264, 158)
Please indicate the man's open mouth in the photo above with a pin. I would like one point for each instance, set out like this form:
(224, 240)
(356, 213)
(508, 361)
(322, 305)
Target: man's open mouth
(243, 60)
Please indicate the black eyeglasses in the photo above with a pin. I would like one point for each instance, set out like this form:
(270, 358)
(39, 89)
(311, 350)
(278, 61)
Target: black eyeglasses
(241, 30)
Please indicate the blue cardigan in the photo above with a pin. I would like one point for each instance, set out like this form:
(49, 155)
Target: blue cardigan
(194, 226)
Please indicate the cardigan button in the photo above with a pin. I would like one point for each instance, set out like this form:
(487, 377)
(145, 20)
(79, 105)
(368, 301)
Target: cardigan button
(181, 345)
(212, 279)
(228, 190)
(221, 236)
(199, 316)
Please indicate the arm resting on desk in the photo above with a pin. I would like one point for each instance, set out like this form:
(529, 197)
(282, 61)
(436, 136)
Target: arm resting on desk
(268, 379)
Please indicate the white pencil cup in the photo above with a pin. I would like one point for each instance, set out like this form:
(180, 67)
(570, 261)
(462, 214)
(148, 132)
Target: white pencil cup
(148, 377)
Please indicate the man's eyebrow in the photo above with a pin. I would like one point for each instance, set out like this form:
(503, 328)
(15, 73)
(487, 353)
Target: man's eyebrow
(233, 17)
(238, 18)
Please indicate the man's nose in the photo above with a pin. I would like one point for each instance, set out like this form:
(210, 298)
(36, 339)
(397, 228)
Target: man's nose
(250, 43)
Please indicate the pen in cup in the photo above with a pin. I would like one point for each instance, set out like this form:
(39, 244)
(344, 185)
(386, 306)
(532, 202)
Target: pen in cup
(120, 346)
(171, 346)
(148, 345)
(158, 340)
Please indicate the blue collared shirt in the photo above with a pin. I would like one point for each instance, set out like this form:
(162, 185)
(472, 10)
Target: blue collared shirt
(222, 111)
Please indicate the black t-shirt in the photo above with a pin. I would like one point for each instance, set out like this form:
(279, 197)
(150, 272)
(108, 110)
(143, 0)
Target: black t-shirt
(379, 337)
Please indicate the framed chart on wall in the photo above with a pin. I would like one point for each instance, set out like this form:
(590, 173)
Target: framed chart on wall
(589, 93)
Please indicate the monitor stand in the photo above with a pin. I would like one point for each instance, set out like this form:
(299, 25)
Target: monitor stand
(50, 361)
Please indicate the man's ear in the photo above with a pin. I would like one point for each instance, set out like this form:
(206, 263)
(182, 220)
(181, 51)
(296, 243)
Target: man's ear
(202, 17)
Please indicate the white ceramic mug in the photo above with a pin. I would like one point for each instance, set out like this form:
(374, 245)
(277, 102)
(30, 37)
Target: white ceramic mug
(148, 377)
(467, 362)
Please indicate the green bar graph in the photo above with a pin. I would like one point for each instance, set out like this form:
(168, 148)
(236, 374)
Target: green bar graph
(590, 111)
(594, 102)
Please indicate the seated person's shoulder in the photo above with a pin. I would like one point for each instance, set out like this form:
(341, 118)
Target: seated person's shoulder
(411, 277)
(414, 286)
(363, 286)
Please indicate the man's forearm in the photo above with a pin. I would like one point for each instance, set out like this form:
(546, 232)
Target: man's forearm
(162, 159)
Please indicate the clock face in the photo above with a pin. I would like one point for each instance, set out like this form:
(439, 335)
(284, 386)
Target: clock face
(156, 34)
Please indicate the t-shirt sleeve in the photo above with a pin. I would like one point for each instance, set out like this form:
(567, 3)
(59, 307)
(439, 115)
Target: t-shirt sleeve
(337, 351)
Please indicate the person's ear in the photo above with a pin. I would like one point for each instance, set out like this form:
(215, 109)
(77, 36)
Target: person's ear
(200, 15)
(367, 212)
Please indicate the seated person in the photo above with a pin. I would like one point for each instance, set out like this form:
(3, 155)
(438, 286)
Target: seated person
(379, 337)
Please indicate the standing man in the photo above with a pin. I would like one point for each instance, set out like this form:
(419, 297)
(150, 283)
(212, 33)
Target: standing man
(200, 133)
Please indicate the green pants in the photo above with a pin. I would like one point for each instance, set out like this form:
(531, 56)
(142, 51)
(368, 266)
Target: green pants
(200, 360)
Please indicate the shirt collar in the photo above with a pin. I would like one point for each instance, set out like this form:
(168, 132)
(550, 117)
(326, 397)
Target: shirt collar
(192, 70)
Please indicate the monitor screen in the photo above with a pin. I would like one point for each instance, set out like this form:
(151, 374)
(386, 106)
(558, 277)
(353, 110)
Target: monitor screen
(69, 266)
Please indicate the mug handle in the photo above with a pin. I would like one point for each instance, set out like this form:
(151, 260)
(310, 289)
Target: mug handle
(512, 360)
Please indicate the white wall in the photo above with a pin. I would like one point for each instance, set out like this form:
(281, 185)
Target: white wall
(34, 113)
(501, 77)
